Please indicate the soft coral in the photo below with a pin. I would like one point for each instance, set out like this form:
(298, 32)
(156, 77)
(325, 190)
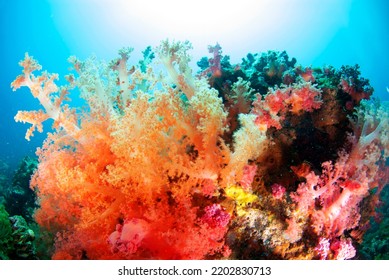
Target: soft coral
(296, 99)
(126, 169)
(43, 88)
(331, 202)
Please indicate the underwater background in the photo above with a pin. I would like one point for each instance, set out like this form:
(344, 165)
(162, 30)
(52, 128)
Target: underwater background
(315, 33)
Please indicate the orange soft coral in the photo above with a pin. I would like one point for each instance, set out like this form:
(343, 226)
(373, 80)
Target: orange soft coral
(119, 180)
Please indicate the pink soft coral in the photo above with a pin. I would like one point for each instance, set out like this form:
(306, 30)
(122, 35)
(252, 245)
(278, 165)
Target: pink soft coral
(278, 191)
(215, 216)
(332, 199)
(249, 172)
(339, 249)
(343, 249)
(297, 98)
(338, 195)
(128, 237)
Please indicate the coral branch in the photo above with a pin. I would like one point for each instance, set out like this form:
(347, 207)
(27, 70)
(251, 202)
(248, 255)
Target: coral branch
(43, 88)
(175, 54)
(297, 98)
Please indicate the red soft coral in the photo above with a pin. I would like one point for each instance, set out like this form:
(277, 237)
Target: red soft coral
(296, 99)
(304, 98)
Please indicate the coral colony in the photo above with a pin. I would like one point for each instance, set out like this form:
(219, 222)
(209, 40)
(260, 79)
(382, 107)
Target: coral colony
(265, 159)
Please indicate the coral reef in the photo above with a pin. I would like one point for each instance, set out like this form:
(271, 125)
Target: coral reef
(17, 206)
(375, 243)
(262, 160)
(16, 237)
(22, 239)
(4, 180)
(20, 198)
(5, 234)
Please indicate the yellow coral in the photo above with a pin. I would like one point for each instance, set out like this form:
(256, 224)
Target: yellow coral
(241, 198)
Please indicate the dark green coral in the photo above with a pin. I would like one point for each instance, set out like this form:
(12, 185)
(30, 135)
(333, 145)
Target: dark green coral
(16, 237)
(5, 234)
(22, 239)
(20, 199)
(375, 245)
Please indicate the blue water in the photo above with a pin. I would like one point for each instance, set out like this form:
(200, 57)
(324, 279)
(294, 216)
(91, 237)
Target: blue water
(315, 32)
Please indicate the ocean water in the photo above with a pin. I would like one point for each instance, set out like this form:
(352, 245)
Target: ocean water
(316, 33)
